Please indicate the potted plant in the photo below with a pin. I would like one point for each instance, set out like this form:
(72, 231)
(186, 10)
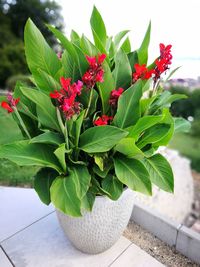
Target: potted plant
(93, 123)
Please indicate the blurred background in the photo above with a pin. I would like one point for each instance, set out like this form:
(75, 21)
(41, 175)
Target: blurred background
(173, 22)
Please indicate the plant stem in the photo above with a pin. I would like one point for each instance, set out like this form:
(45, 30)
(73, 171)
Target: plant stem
(63, 127)
(21, 122)
(89, 102)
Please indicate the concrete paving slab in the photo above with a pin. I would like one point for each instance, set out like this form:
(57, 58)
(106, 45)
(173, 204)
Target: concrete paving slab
(4, 262)
(44, 244)
(136, 257)
(19, 208)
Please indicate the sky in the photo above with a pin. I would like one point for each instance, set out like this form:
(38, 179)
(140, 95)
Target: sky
(174, 22)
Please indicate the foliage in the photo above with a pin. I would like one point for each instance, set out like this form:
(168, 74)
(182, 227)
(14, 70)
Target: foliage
(11, 81)
(91, 137)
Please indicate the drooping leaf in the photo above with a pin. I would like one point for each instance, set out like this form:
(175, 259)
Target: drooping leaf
(47, 82)
(181, 125)
(100, 139)
(87, 201)
(45, 109)
(38, 53)
(160, 172)
(64, 196)
(122, 73)
(48, 138)
(132, 173)
(127, 147)
(60, 154)
(23, 153)
(128, 110)
(142, 52)
(113, 186)
(42, 183)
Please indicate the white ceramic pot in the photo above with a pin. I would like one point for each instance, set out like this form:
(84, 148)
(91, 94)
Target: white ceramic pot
(98, 230)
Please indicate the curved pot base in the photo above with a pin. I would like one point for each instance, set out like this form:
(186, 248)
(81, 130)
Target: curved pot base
(100, 229)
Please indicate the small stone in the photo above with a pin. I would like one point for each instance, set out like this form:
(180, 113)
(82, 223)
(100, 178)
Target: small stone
(196, 226)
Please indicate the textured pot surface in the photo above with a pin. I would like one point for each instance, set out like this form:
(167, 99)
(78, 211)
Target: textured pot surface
(98, 230)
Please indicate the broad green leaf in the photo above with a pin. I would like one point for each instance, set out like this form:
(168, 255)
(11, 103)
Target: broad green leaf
(175, 97)
(143, 124)
(133, 59)
(10, 132)
(84, 99)
(45, 109)
(181, 125)
(160, 172)
(98, 26)
(75, 38)
(87, 201)
(122, 73)
(106, 87)
(99, 161)
(23, 153)
(132, 173)
(46, 82)
(38, 53)
(42, 183)
(87, 47)
(71, 68)
(105, 171)
(100, 138)
(48, 138)
(126, 46)
(145, 104)
(76, 127)
(127, 147)
(82, 177)
(82, 62)
(113, 186)
(128, 111)
(143, 50)
(60, 154)
(64, 196)
(119, 37)
(153, 135)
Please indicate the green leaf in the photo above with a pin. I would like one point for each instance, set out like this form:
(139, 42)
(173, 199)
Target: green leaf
(84, 99)
(47, 83)
(142, 124)
(122, 73)
(45, 109)
(106, 87)
(99, 161)
(23, 153)
(87, 201)
(132, 173)
(64, 196)
(87, 47)
(153, 135)
(42, 183)
(98, 26)
(127, 147)
(126, 46)
(105, 171)
(48, 138)
(76, 127)
(113, 186)
(10, 132)
(133, 59)
(119, 37)
(160, 172)
(60, 154)
(128, 111)
(143, 50)
(82, 177)
(100, 139)
(38, 53)
(172, 73)
(74, 37)
(181, 125)
(71, 68)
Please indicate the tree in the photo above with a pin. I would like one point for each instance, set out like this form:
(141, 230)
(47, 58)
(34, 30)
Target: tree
(41, 12)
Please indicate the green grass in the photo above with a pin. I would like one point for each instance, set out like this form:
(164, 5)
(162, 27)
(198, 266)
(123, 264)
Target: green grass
(188, 146)
(14, 175)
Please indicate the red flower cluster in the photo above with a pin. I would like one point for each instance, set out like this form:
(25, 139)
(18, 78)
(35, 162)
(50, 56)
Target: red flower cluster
(66, 97)
(163, 62)
(10, 104)
(102, 120)
(142, 72)
(114, 96)
(95, 71)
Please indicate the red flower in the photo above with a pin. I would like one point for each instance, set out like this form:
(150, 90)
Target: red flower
(6, 106)
(102, 120)
(66, 97)
(10, 104)
(114, 96)
(95, 71)
(142, 72)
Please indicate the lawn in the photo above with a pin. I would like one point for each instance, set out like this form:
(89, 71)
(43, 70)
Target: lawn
(188, 146)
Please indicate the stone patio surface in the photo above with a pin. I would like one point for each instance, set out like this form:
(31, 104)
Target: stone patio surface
(30, 236)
